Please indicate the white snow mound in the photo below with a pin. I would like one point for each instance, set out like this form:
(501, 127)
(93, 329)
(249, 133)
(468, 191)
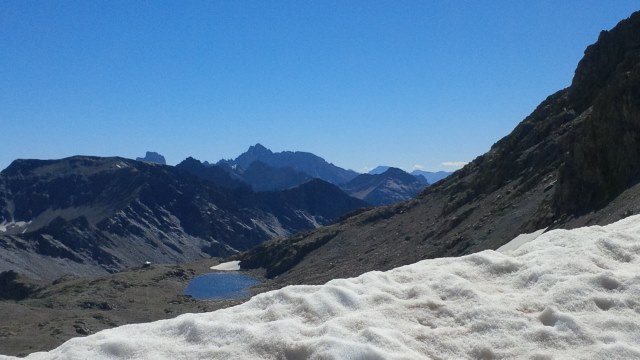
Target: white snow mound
(227, 266)
(565, 295)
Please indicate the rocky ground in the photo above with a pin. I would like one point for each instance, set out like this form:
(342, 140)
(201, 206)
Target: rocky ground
(70, 307)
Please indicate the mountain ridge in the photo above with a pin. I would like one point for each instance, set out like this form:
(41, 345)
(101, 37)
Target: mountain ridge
(90, 215)
(546, 173)
(304, 162)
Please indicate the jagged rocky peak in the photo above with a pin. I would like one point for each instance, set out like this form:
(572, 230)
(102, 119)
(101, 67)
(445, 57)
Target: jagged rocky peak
(255, 152)
(615, 50)
(258, 149)
(153, 157)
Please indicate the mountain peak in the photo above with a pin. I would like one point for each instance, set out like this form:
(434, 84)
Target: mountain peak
(614, 48)
(153, 157)
(303, 162)
(395, 171)
(259, 148)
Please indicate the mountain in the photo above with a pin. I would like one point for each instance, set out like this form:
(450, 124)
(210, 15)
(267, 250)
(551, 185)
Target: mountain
(153, 157)
(88, 215)
(303, 162)
(572, 162)
(391, 186)
(431, 177)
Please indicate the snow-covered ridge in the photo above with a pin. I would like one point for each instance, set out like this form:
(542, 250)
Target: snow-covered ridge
(565, 295)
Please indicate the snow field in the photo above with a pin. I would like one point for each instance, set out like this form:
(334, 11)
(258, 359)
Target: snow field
(565, 295)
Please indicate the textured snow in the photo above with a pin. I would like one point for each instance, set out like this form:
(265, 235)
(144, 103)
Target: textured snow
(565, 295)
(227, 266)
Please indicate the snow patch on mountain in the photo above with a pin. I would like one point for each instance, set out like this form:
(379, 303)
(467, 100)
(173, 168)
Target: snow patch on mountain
(227, 266)
(567, 294)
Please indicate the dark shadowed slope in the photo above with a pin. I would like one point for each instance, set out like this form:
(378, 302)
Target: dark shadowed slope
(220, 175)
(263, 177)
(573, 161)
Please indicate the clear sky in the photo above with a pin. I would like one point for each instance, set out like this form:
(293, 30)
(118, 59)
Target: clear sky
(360, 83)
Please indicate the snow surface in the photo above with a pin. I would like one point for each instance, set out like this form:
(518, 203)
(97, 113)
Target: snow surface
(227, 266)
(520, 240)
(566, 295)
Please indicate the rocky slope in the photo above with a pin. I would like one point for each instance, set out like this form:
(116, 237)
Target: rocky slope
(572, 162)
(88, 215)
(388, 187)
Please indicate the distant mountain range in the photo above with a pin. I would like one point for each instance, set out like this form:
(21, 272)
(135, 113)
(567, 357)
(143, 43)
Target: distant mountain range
(302, 162)
(265, 170)
(83, 215)
(87, 215)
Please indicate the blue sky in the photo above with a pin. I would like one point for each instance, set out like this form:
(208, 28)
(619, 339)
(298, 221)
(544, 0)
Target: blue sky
(360, 83)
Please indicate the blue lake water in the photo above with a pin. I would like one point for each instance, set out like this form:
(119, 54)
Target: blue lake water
(220, 286)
